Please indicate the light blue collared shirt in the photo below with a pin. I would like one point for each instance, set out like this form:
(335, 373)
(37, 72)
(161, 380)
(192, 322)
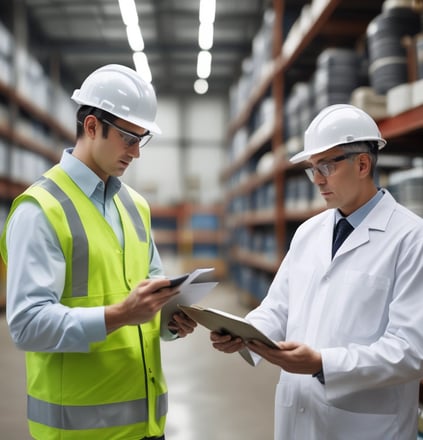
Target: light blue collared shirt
(36, 272)
(358, 216)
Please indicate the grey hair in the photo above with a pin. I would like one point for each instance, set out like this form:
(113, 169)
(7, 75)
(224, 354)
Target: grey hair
(370, 148)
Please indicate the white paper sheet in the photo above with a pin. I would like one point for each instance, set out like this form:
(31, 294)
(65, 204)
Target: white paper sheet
(190, 293)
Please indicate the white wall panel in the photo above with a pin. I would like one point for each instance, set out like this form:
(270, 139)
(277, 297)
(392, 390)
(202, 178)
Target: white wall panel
(206, 119)
(168, 119)
(191, 148)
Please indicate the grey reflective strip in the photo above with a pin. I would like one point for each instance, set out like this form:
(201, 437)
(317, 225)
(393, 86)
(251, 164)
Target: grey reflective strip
(133, 213)
(161, 407)
(79, 238)
(88, 416)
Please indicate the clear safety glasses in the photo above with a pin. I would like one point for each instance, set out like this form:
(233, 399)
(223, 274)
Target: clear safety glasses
(328, 167)
(129, 138)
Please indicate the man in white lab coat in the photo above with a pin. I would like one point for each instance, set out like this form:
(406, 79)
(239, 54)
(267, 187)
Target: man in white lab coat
(351, 324)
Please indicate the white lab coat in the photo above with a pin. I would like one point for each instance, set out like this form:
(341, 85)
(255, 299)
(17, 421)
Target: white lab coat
(364, 312)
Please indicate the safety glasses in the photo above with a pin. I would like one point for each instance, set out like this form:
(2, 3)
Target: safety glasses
(129, 138)
(328, 167)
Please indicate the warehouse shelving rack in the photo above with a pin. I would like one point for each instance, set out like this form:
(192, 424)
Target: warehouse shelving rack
(10, 186)
(16, 102)
(192, 231)
(341, 23)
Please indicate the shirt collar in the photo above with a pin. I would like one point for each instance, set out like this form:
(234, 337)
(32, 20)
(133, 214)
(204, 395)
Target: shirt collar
(359, 215)
(85, 178)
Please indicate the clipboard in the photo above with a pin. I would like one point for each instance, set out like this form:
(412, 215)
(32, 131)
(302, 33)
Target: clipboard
(223, 322)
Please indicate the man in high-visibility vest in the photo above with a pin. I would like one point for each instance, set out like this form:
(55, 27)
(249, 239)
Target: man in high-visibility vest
(83, 296)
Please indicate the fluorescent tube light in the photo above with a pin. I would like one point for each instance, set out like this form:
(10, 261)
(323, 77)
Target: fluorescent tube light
(204, 64)
(205, 36)
(129, 13)
(207, 11)
(141, 65)
(135, 39)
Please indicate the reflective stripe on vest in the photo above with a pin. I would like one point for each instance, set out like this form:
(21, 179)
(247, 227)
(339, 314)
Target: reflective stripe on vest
(80, 240)
(133, 213)
(93, 416)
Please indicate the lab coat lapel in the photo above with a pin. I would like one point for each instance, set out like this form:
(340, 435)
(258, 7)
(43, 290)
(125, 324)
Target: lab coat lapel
(324, 240)
(358, 237)
(377, 219)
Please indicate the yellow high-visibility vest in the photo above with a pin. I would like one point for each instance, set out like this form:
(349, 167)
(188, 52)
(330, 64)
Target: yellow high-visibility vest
(117, 390)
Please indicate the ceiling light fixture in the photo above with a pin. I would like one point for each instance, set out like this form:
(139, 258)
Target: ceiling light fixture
(207, 15)
(207, 11)
(205, 36)
(129, 13)
(128, 10)
(201, 86)
(135, 39)
(141, 65)
(204, 64)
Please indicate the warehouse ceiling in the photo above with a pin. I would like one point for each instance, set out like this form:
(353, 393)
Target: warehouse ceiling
(71, 38)
(81, 35)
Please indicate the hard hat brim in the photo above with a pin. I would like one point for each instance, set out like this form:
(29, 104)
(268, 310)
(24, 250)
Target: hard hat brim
(305, 155)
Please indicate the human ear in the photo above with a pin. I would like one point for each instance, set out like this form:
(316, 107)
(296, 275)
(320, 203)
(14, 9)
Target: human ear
(90, 126)
(365, 164)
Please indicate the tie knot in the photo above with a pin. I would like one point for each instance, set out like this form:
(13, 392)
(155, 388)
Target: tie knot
(342, 229)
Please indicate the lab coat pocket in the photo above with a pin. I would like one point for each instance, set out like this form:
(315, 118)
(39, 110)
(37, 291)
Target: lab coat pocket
(359, 426)
(362, 306)
(284, 394)
(285, 414)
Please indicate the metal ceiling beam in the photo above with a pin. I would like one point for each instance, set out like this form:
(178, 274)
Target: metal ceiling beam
(160, 49)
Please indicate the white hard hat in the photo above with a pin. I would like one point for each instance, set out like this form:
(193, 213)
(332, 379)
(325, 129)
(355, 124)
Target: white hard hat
(336, 125)
(122, 92)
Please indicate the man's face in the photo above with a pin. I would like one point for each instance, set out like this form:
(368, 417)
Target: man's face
(112, 155)
(337, 175)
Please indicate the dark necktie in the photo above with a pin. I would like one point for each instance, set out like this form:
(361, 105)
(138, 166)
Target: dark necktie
(342, 229)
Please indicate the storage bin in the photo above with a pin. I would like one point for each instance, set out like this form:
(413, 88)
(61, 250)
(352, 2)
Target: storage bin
(387, 55)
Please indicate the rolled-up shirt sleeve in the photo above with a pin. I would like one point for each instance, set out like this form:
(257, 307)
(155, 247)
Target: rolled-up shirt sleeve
(35, 280)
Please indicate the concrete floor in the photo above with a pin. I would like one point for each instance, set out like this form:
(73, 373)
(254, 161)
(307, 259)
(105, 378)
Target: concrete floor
(212, 396)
